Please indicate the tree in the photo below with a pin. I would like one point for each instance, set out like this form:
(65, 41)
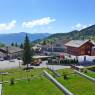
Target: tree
(26, 52)
(12, 81)
(21, 46)
(16, 44)
(44, 42)
(12, 44)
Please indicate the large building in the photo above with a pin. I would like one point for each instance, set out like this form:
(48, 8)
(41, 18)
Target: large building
(10, 52)
(79, 47)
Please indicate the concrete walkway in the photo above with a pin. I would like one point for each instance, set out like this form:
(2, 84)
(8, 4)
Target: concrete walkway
(0, 89)
(10, 64)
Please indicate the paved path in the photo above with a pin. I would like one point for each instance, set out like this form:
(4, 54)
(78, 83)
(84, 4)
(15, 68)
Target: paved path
(54, 67)
(15, 63)
(0, 89)
(7, 64)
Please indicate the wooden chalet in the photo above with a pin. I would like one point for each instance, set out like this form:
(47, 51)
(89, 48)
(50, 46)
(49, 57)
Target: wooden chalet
(79, 47)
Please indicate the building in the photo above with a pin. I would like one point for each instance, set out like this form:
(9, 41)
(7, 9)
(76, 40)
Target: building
(10, 52)
(93, 51)
(54, 48)
(79, 47)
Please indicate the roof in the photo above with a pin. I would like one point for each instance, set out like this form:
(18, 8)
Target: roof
(60, 42)
(2, 54)
(11, 49)
(76, 43)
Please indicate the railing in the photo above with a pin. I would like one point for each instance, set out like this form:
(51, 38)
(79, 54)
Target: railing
(60, 86)
(85, 76)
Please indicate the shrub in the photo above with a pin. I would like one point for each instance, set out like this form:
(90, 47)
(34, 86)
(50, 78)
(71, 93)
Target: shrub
(12, 81)
(93, 60)
(65, 76)
(85, 71)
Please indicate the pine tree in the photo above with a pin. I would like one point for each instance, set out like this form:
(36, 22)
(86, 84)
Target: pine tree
(27, 52)
(44, 42)
(21, 46)
(16, 44)
(12, 44)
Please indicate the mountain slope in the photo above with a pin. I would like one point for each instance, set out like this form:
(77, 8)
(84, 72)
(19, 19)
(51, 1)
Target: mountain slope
(86, 33)
(19, 37)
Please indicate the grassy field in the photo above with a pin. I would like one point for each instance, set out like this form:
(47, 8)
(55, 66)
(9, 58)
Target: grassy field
(89, 72)
(76, 84)
(38, 85)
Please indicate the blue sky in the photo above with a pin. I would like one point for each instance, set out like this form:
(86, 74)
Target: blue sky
(45, 16)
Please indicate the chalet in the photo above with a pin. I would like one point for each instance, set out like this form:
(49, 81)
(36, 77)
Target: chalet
(10, 52)
(79, 47)
(93, 51)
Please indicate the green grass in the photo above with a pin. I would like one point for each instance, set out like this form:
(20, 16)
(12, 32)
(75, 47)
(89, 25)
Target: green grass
(38, 85)
(76, 84)
(89, 72)
(19, 73)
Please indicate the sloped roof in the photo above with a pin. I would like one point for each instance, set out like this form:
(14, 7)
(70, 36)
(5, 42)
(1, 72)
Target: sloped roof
(2, 54)
(76, 43)
(11, 49)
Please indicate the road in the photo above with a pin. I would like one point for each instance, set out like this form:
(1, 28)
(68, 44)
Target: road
(9, 64)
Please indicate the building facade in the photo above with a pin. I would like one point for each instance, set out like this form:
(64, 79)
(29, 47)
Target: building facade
(79, 47)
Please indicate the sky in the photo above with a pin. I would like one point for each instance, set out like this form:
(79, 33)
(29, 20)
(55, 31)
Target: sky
(45, 16)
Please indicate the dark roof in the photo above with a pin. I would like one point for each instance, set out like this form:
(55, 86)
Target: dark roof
(2, 54)
(60, 42)
(77, 43)
(11, 49)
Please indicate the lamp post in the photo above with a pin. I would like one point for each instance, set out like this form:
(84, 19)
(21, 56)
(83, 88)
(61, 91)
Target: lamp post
(52, 54)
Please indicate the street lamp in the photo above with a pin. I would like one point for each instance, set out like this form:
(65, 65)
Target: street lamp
(52, 55)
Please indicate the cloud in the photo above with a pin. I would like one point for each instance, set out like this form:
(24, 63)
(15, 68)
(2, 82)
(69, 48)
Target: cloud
(80, 26)
(38, 22)
(8, 26)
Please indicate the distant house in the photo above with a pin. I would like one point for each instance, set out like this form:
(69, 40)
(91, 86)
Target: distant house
(10, 52)
(79, 47)
(54, 48)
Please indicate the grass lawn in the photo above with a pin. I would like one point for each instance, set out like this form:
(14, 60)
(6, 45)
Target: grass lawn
(76, 84)
(38, 85)
(19, 73)
(90, 73)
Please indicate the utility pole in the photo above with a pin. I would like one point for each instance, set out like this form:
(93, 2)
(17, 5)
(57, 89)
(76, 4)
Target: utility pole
(52, 54)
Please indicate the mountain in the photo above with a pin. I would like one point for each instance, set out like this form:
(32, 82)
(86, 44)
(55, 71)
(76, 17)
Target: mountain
(86, 33)
(19, 37)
